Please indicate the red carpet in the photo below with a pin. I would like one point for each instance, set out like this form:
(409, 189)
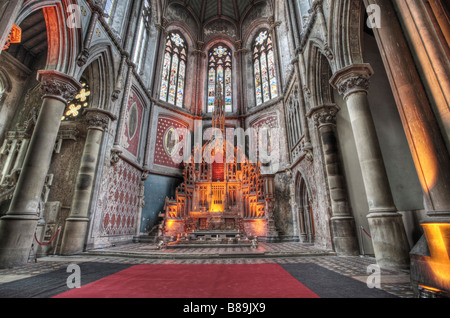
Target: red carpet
(196, 281)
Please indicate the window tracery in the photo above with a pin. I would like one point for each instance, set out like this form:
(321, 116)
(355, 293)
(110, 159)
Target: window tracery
(265, 74)
(220, 69)
(174, 70)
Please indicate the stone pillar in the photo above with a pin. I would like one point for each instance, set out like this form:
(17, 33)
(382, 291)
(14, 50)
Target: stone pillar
(77, 224)
(301, 215)
(388, 233)
(432, 53)
(342, 222)
(18, 226)
(269, 194)
(425, 139)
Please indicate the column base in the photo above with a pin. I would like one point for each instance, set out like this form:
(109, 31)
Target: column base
(389, 240)
(16, 237)
(74, 238)
(344, 236)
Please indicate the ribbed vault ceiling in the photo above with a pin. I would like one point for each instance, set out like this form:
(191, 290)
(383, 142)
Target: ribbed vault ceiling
(208, 9)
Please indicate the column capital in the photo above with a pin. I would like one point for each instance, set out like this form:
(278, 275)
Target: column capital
(98, 118)
(352, 79)
(58, 85)
(324, 115)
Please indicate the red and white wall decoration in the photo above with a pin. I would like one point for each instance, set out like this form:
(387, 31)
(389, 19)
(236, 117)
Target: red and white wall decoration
(165, 147)
(121, 210)
(133, 124)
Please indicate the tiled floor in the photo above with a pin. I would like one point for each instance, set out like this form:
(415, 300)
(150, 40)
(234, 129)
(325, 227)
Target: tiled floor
(396, 282)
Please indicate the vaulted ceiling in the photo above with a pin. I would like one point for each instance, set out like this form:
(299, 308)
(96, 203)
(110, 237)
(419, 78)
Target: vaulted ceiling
(205, 10)
(34, 39)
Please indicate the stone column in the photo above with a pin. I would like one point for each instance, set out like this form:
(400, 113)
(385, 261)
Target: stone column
(77, 224)
(18, 226)
(425, 139)
(269, 195)
(388, 233)
(301, 215)
(433, 56)
(342, 222)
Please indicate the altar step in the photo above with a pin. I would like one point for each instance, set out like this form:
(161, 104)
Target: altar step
(264, 250)
(206, 245)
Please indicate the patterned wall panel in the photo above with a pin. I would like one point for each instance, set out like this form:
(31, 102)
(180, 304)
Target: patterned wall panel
(270, 121)
(121, 211)
(133, 123)
(164, 148)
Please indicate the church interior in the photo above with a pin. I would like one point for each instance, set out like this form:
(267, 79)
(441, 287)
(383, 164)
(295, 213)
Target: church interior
(228, 131)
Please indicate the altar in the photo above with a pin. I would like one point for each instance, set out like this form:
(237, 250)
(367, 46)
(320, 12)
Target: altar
(220, 202)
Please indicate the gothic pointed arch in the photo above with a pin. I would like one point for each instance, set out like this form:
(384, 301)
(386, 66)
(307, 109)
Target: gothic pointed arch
(220, 71)
(101, 71)
(345, 31)
(303, 201)
(264, 68)
(173, 78)
(64, 43)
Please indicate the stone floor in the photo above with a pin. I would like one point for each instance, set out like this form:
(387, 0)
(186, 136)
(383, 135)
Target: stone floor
(396, 282)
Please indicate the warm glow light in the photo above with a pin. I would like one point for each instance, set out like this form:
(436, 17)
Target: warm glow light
(426, 160)
(430, 288)
(438, 238)
(258, 227)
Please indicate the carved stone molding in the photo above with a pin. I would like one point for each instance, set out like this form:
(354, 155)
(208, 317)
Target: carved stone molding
(98, 118)
(307, 149)
(83, 57)
(115, 155)
(324, 115)
(354, 84)
(352, 79)
(57, 85)
(273, 23)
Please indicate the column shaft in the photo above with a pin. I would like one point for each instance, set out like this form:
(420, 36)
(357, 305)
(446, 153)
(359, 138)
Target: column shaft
(389, 239)
(378, 191)
(18, 226)
(342, 222)
(77, 224)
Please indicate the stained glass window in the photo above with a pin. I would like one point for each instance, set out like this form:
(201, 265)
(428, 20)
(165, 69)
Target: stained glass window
(81, 101)
(174, 70)
(266, 85)
(220, 69)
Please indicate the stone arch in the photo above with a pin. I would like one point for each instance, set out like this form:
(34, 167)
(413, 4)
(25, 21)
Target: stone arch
(258, 4)
(247, 60)
(188, 36)
(100, 71)
(184, 16)
(203, 73)
(64, 43)
(346, 31)
(319, 72)
(303, 200)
